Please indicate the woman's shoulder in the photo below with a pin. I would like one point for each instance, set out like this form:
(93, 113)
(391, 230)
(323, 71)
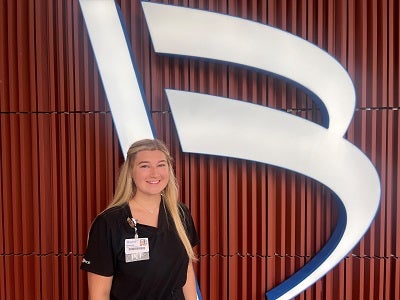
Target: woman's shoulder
(113, 213)
(112, 222)
(183, 207)
(188, 223)
(184, 210)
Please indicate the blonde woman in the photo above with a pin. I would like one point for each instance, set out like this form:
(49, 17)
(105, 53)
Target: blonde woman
(140, 247)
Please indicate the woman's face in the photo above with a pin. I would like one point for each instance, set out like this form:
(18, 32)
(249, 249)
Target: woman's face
(150, 172)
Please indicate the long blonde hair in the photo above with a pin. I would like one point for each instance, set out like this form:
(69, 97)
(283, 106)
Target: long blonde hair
(126, 188)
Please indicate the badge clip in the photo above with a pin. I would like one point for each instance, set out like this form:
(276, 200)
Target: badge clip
(132, 223)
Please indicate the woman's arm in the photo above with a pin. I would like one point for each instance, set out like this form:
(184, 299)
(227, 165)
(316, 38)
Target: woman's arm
(99, 286)
(189, 289)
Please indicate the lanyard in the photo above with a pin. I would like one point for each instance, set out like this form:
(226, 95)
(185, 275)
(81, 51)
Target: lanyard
(133, 224)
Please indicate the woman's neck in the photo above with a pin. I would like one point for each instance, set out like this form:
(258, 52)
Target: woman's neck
(147, 199)
(145, 209)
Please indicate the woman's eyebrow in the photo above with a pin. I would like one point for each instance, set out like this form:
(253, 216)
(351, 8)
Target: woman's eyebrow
(148, 162)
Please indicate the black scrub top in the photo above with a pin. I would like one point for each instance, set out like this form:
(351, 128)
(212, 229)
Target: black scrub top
(160, 277)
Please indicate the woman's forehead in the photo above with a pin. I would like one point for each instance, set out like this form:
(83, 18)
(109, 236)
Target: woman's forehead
(150, 155)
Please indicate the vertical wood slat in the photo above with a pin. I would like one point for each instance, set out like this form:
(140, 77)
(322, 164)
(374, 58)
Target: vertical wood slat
(3, 58)
(2, 282)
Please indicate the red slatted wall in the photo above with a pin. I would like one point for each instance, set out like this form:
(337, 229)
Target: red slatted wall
(258, 224)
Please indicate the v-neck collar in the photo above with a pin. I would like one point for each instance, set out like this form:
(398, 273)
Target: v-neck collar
(162, 221)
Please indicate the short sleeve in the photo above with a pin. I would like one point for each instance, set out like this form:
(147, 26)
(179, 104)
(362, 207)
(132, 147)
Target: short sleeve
(189, 226)
(98, 257)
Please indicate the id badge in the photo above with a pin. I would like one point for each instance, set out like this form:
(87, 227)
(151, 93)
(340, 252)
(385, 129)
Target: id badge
(136, 249)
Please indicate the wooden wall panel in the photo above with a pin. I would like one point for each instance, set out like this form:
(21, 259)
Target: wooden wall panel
(258, 224)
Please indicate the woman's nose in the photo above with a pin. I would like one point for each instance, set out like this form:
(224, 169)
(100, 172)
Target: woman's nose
(153, 171)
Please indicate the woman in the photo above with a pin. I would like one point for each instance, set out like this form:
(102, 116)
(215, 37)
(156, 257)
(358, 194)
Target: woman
(140, 247)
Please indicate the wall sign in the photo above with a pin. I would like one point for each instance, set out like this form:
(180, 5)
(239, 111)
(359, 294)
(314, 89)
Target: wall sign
(229, 127)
